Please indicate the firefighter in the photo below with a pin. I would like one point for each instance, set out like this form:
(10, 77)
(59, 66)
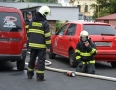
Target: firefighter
(39, 42)
(27, 21)
(85, 51)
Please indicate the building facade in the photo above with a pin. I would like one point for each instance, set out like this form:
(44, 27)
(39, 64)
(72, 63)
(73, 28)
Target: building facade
(110, 19)
(83, 5)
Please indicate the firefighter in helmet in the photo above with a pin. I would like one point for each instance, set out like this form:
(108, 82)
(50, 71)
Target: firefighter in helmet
(39, 42)
(85, 51)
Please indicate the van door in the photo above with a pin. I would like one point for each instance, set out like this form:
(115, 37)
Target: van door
(11, 33)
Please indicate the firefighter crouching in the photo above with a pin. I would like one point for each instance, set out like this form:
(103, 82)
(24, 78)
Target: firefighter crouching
(39, 42)
(85, 51)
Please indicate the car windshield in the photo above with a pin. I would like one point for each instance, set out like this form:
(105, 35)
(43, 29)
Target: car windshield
(99, 30)
(10, 22)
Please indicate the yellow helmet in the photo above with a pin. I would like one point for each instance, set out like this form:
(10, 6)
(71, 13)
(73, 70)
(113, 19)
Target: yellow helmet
(45, 11)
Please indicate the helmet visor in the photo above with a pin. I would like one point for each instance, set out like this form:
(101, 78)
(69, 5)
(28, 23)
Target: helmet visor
(84, 38)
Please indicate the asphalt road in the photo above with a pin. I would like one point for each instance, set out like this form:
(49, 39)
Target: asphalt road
(11, 79)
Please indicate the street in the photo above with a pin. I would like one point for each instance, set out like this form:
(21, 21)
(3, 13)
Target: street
(11, 79)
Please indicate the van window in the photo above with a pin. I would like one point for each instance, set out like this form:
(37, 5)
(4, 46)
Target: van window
(99, 29)
(10, 22)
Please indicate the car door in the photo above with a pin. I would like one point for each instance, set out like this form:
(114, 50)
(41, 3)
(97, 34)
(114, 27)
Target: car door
(58, 39)
(11, 33)
(68, 38)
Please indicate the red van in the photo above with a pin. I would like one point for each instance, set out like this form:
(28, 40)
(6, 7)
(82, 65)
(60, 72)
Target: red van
(12, 36)
(102, 34)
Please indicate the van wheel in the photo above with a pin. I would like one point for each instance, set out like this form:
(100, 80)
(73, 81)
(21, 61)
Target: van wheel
(51, 54)
(72, 59)
(113, 64)
(21, 65)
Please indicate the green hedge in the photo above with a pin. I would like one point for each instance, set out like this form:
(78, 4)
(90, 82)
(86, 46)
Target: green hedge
(58, 25)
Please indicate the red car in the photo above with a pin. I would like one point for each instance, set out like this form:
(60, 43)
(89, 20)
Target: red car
(12, 36)
(102, 34)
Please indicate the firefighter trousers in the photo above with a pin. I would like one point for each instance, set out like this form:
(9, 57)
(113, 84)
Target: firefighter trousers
(86, 67)
(41, 54)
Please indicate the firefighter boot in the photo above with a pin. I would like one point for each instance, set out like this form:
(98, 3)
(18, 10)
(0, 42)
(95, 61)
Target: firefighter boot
(30, 74)
(40, 77)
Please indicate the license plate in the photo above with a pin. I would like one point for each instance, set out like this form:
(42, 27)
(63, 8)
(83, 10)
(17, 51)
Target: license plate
(103, 43)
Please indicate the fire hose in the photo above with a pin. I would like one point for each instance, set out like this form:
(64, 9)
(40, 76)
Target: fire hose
(48, 63)
(78, 73)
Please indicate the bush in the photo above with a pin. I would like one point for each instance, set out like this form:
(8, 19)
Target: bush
(58, 25)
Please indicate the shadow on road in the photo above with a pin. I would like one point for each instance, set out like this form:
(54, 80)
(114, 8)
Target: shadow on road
(5, 66)
(99, 65)
(103, 65)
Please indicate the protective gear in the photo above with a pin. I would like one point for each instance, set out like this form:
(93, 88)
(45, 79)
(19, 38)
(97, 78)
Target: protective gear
(29, 13)
(39, 40)
(27, 25)
(84, 35)
(86, 56)
(30, 73)
(45, 11)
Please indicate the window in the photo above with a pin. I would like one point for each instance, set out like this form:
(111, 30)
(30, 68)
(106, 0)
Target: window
(61, 31)
(71, 30)
(86, 8)
(99, 29)
(106, 21)
(79, 7)
(10, 22)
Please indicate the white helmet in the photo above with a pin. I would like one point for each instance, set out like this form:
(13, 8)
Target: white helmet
(44, 10)
(84, 33)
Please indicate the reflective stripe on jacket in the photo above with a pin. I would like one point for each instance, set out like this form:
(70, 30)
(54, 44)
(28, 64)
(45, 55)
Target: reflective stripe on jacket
(39, 35)
(89, 62)
(85, 53)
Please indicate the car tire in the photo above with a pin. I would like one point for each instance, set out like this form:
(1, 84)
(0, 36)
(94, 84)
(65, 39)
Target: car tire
(113, 64)
(21, 64)
(71, 58)
(51, 54)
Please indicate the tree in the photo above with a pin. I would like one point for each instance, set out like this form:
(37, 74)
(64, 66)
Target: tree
(103, 8)
(49, 1)
(38, 0)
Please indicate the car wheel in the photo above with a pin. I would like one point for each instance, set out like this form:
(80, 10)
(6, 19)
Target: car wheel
(21, 65)
(113, 64)
(51, 54)
(71, 59)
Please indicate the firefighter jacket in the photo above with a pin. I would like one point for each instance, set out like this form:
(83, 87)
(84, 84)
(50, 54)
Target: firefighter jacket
(84, 53)
(27, 24)
(39, 32)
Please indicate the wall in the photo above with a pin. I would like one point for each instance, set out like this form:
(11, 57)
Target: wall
(112, 22)
(82, 3)
(52, 24)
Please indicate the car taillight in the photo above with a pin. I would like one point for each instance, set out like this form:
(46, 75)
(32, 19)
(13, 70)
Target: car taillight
(115, 39)
(24, 45)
